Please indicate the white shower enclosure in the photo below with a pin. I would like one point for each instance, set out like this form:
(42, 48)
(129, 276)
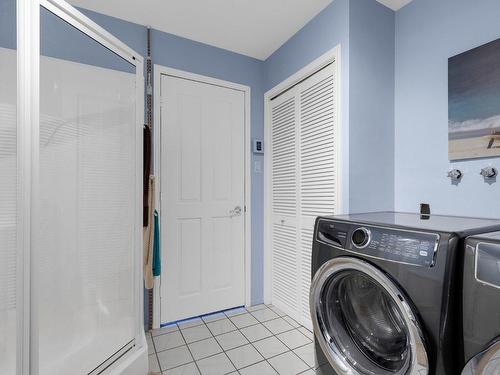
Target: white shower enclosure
(71, 115)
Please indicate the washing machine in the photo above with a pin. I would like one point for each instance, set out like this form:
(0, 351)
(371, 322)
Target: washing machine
(385, 296)
(481, 305)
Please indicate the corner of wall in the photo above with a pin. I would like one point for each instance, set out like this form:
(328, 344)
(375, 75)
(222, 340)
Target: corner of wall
(371, 107)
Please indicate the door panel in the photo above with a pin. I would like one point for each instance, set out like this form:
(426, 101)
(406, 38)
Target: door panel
(84, 249)
(8, 189)
(202, 181)
(303, 183)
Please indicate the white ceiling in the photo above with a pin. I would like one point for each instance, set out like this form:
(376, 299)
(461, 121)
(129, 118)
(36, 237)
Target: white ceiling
(254, 28)
(395, 4)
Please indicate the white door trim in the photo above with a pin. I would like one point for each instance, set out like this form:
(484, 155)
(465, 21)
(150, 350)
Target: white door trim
(310, 69)
(28, 123)
(160, 70)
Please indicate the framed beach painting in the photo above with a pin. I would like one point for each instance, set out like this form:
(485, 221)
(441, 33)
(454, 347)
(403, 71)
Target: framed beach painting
(474, 103)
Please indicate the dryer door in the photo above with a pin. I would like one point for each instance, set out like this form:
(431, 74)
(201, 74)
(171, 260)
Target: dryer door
(485, 363)
(363, 322)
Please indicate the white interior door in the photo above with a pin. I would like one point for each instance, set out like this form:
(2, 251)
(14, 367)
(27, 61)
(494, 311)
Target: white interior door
(284, 215)
(304, 180)
(202, 198)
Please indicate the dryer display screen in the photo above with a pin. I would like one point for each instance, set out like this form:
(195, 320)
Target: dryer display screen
(401, 246)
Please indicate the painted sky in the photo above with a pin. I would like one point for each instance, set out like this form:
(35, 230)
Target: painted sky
(474, 84)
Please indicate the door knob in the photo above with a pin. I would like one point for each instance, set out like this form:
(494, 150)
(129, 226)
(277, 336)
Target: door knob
(235, 212)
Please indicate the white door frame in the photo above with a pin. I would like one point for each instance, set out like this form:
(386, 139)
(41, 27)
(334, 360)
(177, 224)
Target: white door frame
(160, 70)
(316, 65)
(28, 123)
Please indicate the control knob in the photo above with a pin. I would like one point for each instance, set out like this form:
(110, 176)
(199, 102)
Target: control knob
(361, 238)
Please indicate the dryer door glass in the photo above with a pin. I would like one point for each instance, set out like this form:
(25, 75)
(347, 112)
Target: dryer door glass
(362, 321)
(359, 314)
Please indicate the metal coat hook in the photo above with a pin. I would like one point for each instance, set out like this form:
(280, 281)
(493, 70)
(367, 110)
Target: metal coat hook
(488, 172)
(455, 175)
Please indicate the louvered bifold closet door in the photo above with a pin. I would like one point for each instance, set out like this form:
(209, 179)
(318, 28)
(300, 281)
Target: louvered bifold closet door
(317, 168)
(284, 201)
(303, 183)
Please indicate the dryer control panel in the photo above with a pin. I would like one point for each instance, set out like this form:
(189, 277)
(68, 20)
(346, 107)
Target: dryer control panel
(397, 245)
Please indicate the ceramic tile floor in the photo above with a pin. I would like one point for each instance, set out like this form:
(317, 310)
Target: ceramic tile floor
(259, 340)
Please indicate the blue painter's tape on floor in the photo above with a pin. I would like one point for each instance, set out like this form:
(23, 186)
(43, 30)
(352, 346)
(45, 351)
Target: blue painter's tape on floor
(200, 316)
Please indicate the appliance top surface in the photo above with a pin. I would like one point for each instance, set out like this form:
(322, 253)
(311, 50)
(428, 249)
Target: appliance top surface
(492, 237)
(438, 223)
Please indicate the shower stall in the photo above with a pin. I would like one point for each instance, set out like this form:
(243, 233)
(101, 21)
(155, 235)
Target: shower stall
(71, 115)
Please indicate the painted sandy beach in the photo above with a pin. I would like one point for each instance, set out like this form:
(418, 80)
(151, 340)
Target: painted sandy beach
(474, 138)
(474, 103)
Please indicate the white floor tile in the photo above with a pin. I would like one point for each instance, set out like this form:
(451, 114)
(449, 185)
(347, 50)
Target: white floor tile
(244, 320)
(213, 317)
(153, 363)
(190, 323)
(221, 326)
(244, 356)
(270, 347)
(278, 326)
(168, 341)
(306, 332)
(189, 369)
(288, 364)
(231, 340)
(256, 307)
(276, 310)
(174, 357)
(196, 333)
(264, 315)
(292, 322)
(293, 339)
(216, 365)
(308, 372)
(167, 329)
(306, 353)
(236, 311)
(204, 348)
(261, 368)
(149, 342)
(256, 332)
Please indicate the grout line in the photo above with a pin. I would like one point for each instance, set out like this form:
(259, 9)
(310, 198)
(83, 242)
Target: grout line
(190, 353)
(156, 354)
(249, 343)
(223, 351)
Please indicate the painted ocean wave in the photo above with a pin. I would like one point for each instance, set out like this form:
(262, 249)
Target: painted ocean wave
(474, 128)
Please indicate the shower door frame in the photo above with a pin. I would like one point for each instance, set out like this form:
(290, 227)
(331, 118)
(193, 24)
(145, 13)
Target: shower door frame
(28, 124)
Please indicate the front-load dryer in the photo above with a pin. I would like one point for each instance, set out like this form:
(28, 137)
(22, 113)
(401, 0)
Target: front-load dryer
(481, 305)
(384, 298)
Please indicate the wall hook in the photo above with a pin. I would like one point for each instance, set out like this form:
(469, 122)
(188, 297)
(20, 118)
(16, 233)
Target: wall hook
(488, 172)
(455, 175)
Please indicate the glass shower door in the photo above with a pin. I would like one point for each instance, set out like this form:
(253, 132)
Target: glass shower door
(8, 187)
(87, 214)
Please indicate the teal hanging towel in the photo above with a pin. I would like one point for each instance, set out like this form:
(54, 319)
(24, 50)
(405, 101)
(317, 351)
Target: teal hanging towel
(156, 246)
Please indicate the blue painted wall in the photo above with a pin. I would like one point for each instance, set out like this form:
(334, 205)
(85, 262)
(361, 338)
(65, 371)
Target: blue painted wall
(184, 54)
(371, 111)
(365, 31)
(61, 40)
(325, 31)
(428, 32)
(8, 24)
(367, 110)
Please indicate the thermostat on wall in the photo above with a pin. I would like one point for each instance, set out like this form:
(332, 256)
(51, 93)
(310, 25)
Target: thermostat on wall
(258, 146)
